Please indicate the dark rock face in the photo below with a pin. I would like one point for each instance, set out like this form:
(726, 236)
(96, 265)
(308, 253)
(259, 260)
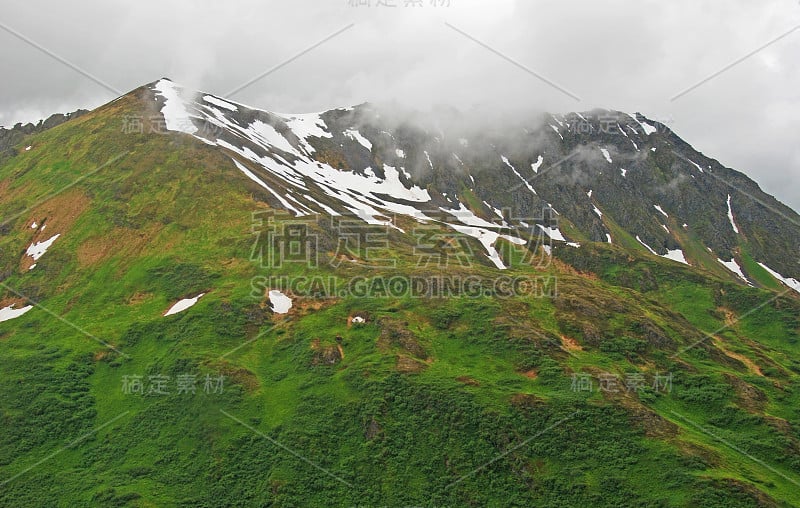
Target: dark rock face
(13, 136)
(649, 166)
(604, 176)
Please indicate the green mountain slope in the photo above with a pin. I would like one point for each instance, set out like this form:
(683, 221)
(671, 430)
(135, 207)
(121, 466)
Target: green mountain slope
(599, 375)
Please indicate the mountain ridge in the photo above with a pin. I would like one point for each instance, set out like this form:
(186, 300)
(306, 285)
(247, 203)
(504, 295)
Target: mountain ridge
(769, 229)
(136, 258)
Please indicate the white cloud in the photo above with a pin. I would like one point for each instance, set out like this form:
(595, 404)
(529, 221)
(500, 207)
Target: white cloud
(616, 54)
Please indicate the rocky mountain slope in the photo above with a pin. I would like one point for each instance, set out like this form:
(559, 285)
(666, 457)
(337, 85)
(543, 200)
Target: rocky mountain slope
(207, 304)
(606, 174)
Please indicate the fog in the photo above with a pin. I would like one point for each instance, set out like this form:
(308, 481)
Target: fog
(721, 74)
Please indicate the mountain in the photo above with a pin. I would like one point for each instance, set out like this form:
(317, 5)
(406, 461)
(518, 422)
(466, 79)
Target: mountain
(204, 303)
(607, 174)
(13, 136)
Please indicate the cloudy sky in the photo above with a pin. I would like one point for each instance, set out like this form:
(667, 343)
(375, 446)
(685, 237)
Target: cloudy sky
(723, 74)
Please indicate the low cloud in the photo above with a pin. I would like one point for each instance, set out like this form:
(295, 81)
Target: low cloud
(500, 57)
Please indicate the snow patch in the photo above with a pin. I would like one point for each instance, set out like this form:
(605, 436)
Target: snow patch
(734, 267)
(606, 155)
(646, 246)
(219, 103)
(280, 302)
(356, 136)
(480, 230)
(623, 171)
(730, 216)
(10, 312)
(554, 233)
(182, 305)
(696, 165)
(37, 250)
(307, 125)
(505, 160)
(496, 210)
(676, 255)
(486, 238)
(536, 165)
(325, 207)
(266, 133)
(658, 207)
(256, 179)
(646, 127)
(792, 283)
(176, 117)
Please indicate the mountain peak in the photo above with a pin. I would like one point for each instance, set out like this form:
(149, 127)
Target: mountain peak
(358, 276)
(606, 175)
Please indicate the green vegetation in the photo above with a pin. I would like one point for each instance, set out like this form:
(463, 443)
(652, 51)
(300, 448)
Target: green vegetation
(465, 401)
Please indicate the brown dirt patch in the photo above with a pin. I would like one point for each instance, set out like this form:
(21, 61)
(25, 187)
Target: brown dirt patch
(4, 185)
(565, 268)
(395, 334)
(243, 378)
(653, 424)
(408, 365)
(334, 159)
(139, 298)
(308, 304)
(527, 400)
(54, 216)
(570, 344)
(730, 316)
(748, 396)
(326, 354)
(13, 301)
(761, 498)
(130, 242)
(300, 305)
(233, 376)
(705, 455)
(750, 364)
(779, 424)
(468, 381)
(60, 212)
(100, 355)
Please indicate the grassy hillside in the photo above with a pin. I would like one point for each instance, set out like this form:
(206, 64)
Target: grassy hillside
(633, 381)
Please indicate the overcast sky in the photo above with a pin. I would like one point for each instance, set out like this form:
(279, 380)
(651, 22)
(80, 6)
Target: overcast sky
(560, 56)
